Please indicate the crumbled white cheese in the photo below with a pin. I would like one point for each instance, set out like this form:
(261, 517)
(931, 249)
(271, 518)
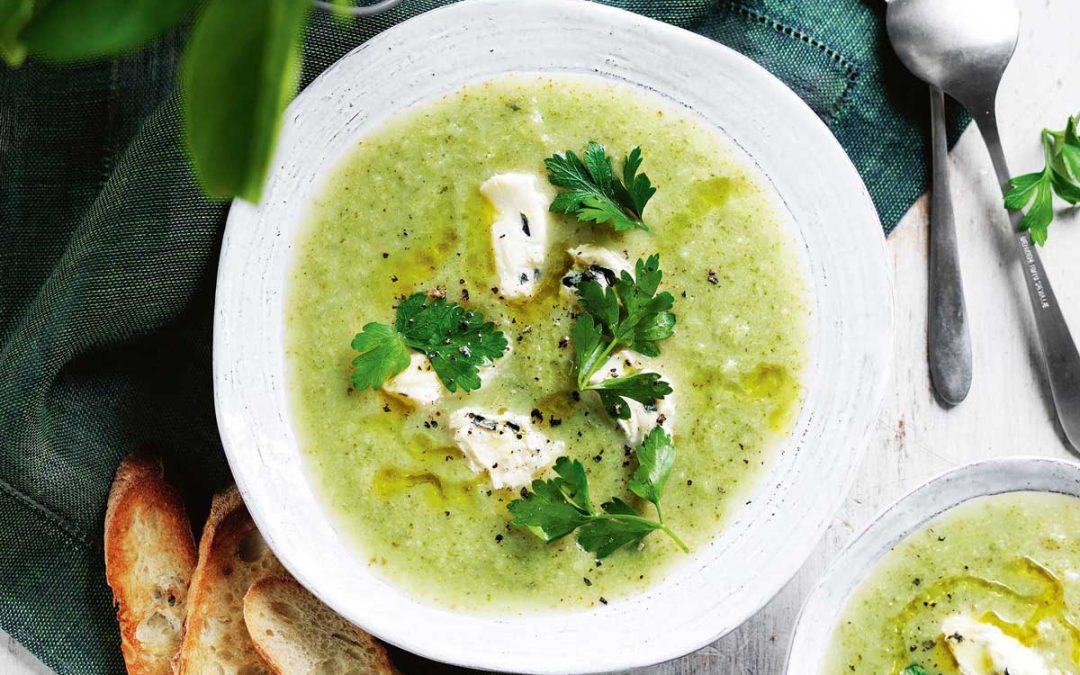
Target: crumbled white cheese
(593, 263)
(983, 649)
(505, 445)
(519, 234)
(416, 385)
(643, 419)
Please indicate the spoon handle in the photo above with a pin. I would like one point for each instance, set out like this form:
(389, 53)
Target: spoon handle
(1059, 350)
(949, 343)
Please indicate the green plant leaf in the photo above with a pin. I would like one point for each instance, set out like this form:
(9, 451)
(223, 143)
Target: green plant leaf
(605, 536)
(588, 348)
(632, 315)
(636, 188)
(573, 484)
(656, 457)
(594, 194)
(457, 342)
(549, 511)
(1038, 217)
(14, 15)
(914, 669)
(645, 388)
(74, 30)
(383, 354)
(558, 506)
(241, 69)
(1022, 189)
(1065, 188)
(600, 302)
(1060, 176)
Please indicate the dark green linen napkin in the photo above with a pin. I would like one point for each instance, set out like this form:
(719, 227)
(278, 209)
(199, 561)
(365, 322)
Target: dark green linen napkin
(107, 264)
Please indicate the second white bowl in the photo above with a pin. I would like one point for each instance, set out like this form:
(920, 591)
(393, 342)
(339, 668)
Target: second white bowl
(825, 605)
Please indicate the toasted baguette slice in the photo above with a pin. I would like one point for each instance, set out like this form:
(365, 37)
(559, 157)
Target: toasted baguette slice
(149, 558)
(232, 556)
(296, 634)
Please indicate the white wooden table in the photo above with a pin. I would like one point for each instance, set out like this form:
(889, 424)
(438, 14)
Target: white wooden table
(1008, 411)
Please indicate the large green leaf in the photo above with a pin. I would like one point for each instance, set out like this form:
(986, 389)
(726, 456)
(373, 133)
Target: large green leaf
(14, 14)
(71, 30)
(240, 71)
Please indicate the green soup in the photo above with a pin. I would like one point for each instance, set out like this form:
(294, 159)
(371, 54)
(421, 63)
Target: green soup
(403, 213)
(1011, 561)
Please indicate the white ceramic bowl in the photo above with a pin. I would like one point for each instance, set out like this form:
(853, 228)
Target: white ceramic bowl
(832, 220)
(813, 632)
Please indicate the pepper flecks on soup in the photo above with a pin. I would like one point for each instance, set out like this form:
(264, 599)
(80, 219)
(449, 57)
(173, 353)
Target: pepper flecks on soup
(406, 471)
(991, 586)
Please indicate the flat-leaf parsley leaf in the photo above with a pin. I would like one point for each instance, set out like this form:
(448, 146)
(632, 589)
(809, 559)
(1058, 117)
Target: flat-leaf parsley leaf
(1060, 175)
(560, 506)
(656, 457)
(632, 315)
(457, 341)
(594, 193)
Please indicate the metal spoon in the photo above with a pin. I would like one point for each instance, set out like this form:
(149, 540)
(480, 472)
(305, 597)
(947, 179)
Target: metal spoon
(963, 47)
(948, 338)
(949, 341)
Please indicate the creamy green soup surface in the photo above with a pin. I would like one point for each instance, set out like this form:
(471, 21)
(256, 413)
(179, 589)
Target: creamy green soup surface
(1008, 561)
(403, 213)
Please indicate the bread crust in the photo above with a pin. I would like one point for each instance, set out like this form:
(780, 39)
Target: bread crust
(232, 556)
(318, 619)
(149, 560)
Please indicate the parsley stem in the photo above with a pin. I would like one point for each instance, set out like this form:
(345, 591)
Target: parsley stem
(583, 380)
(638, 519)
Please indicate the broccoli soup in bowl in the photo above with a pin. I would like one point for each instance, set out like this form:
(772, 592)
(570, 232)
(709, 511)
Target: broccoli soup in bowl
(976, 572)
(369, 404)
(542, 335)
(991, 586)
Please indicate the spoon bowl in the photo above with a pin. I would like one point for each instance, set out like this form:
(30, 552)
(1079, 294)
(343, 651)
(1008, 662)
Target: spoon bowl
(960, 46)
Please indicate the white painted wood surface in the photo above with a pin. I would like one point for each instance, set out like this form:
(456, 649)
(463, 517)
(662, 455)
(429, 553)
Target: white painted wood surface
(1008, 411)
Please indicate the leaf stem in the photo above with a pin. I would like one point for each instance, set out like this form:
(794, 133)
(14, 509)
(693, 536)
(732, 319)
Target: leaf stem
(583, 378)
(675, 538)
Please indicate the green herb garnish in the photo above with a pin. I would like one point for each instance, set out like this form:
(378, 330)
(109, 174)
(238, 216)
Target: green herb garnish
(561, 505)
(914, 669)
(1060, 175)
(457, 341)
(241, 66)
(632, 315)
(594, 193)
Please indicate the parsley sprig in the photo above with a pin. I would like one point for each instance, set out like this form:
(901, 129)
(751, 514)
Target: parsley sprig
(1060, 175)
(914, 669)
(456, 340)
(561, 505)
(629, 314)
(594, 193)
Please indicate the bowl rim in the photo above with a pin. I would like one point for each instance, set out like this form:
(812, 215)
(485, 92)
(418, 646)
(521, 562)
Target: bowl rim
(863, 425)
(900, 519)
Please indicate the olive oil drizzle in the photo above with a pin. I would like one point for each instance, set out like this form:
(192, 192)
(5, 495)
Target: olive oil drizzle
(1050, 604)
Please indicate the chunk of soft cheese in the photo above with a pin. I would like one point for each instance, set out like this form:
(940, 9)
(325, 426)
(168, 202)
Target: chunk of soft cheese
(983, 649)
(593, 263)
(504, 445)
(418, 384)
(643, 419)
(519, 234)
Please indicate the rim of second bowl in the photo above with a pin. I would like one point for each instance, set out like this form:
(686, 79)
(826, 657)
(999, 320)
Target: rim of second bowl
(253, 413)
(947, 490)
